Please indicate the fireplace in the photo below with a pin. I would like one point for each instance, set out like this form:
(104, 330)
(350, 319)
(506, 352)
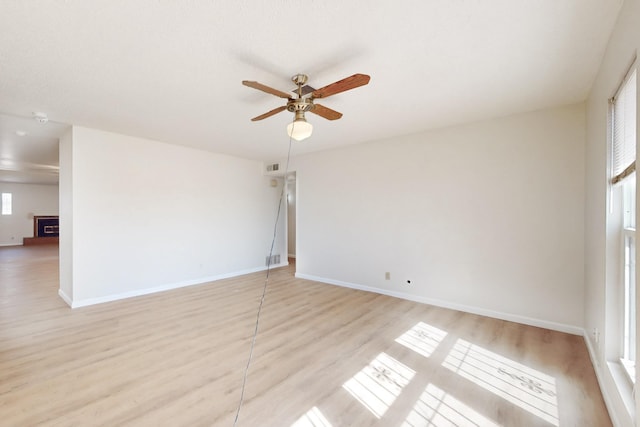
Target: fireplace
(46, 226)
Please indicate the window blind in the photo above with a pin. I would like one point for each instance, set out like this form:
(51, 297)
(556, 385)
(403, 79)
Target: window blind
(624, 130)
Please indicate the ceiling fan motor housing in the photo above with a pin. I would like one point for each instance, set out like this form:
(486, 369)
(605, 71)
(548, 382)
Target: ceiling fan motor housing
(300, 104)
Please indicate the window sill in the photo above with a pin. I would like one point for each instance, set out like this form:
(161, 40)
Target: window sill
(629, 367)
(623, 385)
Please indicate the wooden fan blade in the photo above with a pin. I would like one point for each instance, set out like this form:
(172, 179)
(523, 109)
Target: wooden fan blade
(269, 114)
(267, 89)
(325, 112)
(352, 82)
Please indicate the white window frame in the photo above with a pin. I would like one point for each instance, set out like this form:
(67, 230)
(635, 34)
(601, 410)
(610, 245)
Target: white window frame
(623, 198)
(629, 335)
(7, 204)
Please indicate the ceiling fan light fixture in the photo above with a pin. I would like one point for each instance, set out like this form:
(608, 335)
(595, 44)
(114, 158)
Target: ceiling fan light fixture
(299, 129)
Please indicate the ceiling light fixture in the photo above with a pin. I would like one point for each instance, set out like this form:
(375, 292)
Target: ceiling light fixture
(40, 117)
(299, 129)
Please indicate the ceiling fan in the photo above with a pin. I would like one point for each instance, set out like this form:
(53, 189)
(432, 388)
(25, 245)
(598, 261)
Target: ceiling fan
(300, 129)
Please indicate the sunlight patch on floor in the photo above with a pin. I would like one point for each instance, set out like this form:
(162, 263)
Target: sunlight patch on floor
(313, 418)
(525, 387)
(378, 384)
(438, 409)
(422, 338)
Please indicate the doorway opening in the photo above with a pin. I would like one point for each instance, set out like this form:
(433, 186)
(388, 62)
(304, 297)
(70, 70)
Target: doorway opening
(291, 186)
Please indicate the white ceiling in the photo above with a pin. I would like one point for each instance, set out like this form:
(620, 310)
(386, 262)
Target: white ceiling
(172, 71)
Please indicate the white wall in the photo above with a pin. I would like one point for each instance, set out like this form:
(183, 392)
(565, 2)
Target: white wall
(149, 216)
(27, 200)
(623, 45)
(486, 217)
(65, 155)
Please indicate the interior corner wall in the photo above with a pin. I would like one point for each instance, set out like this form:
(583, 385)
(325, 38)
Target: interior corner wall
(623, 46)
(65, 197)
(148, 216)
(27, 200)
(485, 217)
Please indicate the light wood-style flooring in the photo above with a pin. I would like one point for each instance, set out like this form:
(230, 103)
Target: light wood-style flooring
(324, 356)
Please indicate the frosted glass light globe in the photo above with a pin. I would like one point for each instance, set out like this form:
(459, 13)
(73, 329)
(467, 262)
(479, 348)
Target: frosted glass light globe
(299, 129)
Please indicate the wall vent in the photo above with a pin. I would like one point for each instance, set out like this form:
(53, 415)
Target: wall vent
(272, 260)
(273, 167)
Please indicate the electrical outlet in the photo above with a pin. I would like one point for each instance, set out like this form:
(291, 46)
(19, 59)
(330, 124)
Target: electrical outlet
(387, 276)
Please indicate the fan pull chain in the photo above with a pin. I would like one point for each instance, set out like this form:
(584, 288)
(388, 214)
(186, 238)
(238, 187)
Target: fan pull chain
(264, 290)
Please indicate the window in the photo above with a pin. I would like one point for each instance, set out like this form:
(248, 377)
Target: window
(623, 158)
(628, 356)
(6, 204)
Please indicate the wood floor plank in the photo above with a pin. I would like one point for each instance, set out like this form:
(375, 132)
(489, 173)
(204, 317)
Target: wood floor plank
(323, 353)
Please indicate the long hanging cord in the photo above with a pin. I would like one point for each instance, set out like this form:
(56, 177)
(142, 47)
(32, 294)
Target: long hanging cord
(264, 288)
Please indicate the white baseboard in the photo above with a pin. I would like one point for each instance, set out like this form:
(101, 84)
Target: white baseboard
(139, 292)
(291, 255)
(65, 297)
(10, 244)
(570, 329)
